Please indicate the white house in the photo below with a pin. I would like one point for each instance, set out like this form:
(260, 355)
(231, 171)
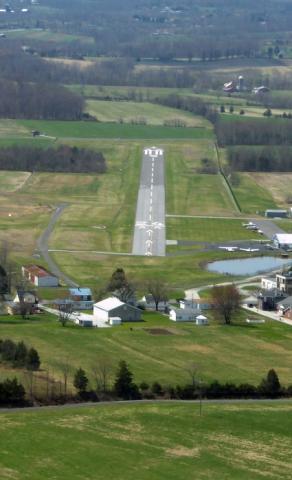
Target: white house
(182, 315)
(113, 307)
(197, 304)
(39, 276)
(148, 303)
(268, 283)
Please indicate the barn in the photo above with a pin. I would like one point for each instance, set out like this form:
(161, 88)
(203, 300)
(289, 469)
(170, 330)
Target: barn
(39, 276)
(113, 307)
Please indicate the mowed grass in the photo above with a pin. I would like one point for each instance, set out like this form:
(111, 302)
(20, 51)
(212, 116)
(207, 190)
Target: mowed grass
(236, 353)
(110, 111)
(79, 129)
(286, 225)
(207, 229)
(190, 193)
(253, 196)
(153, 441)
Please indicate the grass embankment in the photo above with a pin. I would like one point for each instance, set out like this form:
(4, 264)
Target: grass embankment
(165, 441)
(251, 195)
(238, 353)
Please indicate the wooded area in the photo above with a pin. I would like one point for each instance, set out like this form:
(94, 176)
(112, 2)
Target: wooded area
(62, 159)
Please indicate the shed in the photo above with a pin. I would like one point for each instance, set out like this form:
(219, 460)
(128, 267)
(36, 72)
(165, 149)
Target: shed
(81, 298)
(201, 320)
(276, 213)
(39, 276)
(113, 307)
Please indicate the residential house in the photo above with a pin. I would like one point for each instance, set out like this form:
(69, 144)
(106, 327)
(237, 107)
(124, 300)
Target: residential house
(81, 298)
(113, 307)
(284, 305)
(283, 240)
(268, 283)
(268, 299)
(182, 315)
(197, 304)
(284, 282)
(147, 303)
(39, 276)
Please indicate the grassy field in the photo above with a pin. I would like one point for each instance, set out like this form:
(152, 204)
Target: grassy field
(48, 36)
(151, 441)
(109, 130)
(236, 353)
(277, 184)
(128, 112)
(207, 230)
(285, 224)
(253, 196)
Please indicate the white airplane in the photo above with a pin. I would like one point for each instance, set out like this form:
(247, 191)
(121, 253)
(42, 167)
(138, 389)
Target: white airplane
(260, 232)
(249, 249)
(249, 224)
(229, 249)
(251, 227)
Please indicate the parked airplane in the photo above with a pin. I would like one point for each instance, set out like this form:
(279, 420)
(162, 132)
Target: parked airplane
(229, 249)
(248, 224)
(249, 249)
(252, 227)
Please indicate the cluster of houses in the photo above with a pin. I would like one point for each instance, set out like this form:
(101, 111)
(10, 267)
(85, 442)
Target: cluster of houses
(275, 295)
(110, 311)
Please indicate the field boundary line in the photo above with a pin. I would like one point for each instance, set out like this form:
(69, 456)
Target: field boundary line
(225, 181)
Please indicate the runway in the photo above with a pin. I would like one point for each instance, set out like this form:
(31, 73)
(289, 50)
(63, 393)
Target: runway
(149, 233)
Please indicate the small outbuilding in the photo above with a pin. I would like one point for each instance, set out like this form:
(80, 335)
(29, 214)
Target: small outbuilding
(276, 213)
(113, 307)
(115, 321)
(202, 320)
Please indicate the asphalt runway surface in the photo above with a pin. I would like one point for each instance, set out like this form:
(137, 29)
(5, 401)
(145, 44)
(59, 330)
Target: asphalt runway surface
(149, 233)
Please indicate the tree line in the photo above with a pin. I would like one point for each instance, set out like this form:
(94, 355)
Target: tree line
(260, 159)
(39, 101)
(62, 159)
(250, 131)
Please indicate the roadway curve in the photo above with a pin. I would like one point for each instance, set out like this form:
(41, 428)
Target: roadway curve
(149, 233)
(43, 247)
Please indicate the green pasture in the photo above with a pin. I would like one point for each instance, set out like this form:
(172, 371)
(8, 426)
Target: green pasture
(79, 129)
(252, 197)
(236, 353)
(131, 112)
(171, 440)
(286, 225)
(207, 229)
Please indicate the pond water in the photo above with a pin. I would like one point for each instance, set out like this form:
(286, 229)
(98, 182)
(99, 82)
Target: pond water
(248, 266)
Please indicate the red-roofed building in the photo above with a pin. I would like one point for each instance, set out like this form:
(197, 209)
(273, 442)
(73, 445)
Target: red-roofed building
(39, 276)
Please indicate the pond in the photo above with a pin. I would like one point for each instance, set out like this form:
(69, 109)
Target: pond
(248, 266)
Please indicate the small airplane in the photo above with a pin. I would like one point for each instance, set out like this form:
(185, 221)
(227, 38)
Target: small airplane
(249, 249)
(248, 224)
(252, 227)
(260, 232)
(229, 249)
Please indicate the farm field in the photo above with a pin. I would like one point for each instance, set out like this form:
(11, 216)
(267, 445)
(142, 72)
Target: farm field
(236, 353)
(47, 35)
(160, 441)
(128, 112)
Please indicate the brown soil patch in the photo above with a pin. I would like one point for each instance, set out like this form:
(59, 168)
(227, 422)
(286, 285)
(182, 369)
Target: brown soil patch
(180, 451)
(158, 331)
(270, 347)
(194, 348)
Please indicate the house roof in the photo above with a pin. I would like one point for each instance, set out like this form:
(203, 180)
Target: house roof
(201, 317)
(80, 291)
(109, 304)
(286, 302)
(38, 271)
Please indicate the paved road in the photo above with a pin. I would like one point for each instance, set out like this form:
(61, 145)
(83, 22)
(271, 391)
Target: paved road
(149, 233)
(268, 227)
(42, 246)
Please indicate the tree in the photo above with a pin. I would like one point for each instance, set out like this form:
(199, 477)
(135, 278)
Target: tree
(101, 372)
(64, 314)
(20, 355)
(226, 301)
(158, 291)
(120, 287)
(65, 369)
(222, 109)
(32, 359)
(80, 380)
(124, 386)
(270, 386)
(231, 109)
